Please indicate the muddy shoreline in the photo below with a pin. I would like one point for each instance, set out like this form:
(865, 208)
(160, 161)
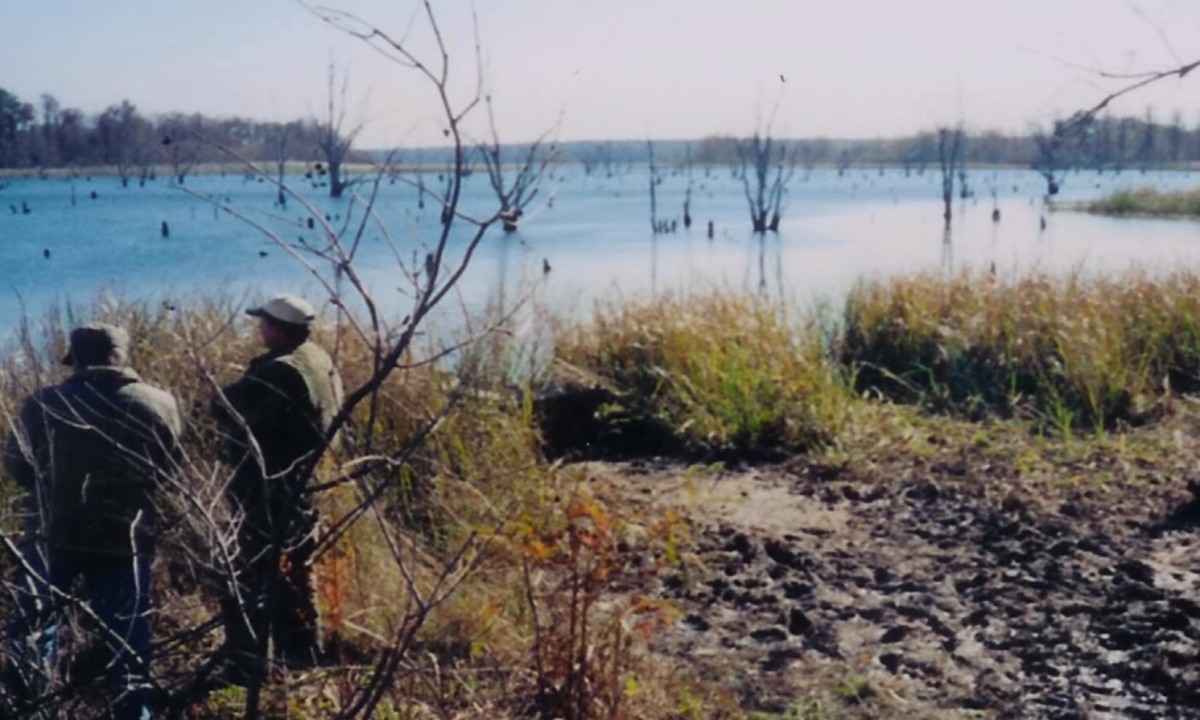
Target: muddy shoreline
(937, 593)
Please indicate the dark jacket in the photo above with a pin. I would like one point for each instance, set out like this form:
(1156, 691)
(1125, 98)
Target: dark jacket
(92, 452)
(287, 399)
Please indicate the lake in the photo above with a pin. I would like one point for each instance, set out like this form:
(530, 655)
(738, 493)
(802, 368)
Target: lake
(593, 231)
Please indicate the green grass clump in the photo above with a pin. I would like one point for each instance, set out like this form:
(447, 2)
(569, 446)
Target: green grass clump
(1148, 201)
(722, 373)
(1068, 351)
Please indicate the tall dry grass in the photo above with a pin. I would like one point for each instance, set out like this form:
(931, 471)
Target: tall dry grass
(1074, 351)
(720, 373)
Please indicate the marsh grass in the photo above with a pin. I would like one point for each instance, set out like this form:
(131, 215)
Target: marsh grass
(722, 374)
(1148, 201)
(1070, 352)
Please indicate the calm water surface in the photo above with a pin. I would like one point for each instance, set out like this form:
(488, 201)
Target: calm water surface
(593, 231)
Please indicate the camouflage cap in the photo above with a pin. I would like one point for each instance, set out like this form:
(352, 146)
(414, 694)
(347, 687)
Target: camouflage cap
(98, 344)
(286, 308)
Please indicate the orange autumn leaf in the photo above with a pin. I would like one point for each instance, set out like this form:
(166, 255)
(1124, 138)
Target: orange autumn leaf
(538, 549)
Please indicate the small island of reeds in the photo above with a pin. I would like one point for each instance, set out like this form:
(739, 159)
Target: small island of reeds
(1148, 202)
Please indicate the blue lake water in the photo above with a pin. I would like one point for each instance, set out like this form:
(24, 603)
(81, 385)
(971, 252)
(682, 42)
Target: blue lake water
(593, 231)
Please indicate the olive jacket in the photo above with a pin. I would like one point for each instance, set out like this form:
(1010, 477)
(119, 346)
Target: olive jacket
(92, 452)
(287, 400)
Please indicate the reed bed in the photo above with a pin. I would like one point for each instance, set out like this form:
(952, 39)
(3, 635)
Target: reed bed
(1069, 351)
(721, 373)
(1148, 201)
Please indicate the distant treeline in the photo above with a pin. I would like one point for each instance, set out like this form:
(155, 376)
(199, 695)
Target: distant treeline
(1108, 143)
(46, 135)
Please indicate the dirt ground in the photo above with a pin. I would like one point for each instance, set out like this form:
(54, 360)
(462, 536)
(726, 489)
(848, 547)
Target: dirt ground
(947, 589)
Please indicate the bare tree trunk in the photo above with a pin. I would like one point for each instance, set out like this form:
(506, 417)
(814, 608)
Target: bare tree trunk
(1048, 147)
(949, 157)
(653, 189)
(336, 188)
(687, 197)
(764, 195)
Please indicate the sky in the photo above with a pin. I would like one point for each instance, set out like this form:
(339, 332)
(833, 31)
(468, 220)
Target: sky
(613, 69)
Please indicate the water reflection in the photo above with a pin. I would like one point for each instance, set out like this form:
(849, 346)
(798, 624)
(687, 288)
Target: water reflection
(654, 263)
(766, 265)
(947, 251)
(503, 260)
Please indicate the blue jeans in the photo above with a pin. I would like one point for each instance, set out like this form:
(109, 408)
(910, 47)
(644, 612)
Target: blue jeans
(118, 589)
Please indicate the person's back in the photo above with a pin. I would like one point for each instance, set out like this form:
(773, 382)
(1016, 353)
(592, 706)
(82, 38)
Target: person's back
(287, 399)
(91, 452)
(97, 445)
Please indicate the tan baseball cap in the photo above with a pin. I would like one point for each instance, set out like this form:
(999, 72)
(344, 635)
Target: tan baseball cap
(287, 308)
(98, 344)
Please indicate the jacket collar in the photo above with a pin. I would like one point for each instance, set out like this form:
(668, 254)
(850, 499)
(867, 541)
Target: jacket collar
(105, 374)
(277, 353)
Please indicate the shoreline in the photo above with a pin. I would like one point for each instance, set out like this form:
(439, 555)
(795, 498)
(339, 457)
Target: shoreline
(362, 168)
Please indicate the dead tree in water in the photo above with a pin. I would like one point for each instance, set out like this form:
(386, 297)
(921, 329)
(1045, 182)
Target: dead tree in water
(516, 192)
(687, 198)
(949, 158)
(654, 226)
(180, 144)
(334, 142)
(277, 137)
(759, 155)
(448, 179)
(1047, 158)
(594, 156)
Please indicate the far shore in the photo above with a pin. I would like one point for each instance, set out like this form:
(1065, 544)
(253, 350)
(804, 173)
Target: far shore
(293, 167)
(299, 167)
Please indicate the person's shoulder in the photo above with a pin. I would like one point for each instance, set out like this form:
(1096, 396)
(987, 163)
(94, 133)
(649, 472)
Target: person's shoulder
(310, 349)
(46, 403)
(146, 391)
(284, 372)
(48, 395)
(308, 357)
(153, 398)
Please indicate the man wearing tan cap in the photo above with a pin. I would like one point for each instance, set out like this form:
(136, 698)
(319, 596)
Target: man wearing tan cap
(91, 452)
(273, 422)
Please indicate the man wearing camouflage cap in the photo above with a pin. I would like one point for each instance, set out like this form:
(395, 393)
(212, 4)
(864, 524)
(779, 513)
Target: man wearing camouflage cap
(91, 452)
(273, 422)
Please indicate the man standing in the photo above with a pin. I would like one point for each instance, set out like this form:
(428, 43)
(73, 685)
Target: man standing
(273, 421)
(91, 452)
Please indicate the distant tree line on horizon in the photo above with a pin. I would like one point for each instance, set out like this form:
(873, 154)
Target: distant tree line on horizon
(47, 135)
(1108, 143)
(137, 147)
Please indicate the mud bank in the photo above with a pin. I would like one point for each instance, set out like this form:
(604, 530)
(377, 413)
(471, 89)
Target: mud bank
(940, 593)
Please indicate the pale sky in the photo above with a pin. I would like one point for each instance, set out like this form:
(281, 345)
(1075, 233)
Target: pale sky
(617, 69)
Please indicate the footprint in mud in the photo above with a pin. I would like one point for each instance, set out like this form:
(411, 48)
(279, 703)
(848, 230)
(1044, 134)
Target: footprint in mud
(769, 635)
